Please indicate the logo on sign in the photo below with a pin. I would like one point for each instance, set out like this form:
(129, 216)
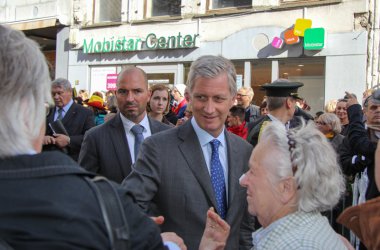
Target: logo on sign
(301, 25)
(314, 39)
(290, 38)
(277, 42)
(111, 81)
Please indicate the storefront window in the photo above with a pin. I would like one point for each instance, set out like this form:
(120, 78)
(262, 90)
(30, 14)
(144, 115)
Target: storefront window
(165, 7)
(107, 11)
(217, 4)
(311, 72)
(261, 72)
(163, 78)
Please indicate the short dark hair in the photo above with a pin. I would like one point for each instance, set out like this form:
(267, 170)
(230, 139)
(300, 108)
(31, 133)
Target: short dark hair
(238, 111)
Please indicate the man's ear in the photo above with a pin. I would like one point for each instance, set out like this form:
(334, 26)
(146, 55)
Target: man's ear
(289, 103)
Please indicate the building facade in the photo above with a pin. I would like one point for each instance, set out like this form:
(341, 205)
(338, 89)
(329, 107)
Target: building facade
(258, 36)
(41, 20)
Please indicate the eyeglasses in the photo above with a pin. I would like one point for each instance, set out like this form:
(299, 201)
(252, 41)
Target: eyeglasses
(240, 95)
(320, 123)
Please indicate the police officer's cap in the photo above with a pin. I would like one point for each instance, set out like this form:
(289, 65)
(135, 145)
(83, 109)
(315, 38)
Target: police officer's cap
(282, 88)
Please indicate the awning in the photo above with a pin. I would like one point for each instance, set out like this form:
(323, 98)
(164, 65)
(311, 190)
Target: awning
(37, 24)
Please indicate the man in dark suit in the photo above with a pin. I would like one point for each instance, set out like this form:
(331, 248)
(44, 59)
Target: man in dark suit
(75, 118)
(110, 149)
(180, 173)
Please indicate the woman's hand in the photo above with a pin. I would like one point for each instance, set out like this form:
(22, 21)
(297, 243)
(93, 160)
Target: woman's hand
(216, 232)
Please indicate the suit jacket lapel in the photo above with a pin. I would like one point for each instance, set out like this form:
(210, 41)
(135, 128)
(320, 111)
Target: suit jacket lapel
(192, 152)
(120, 143)
(70, 114)
(153, 126)
(234, 173)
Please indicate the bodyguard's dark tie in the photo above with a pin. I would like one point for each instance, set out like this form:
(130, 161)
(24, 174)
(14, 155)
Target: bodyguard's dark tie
(217, 179)
(137, 130)
(60, 114)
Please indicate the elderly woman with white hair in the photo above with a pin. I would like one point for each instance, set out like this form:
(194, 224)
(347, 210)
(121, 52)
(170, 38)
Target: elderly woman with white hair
(293, 176)
(329, 124)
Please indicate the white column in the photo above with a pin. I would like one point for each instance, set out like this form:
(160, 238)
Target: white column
(275, 70)
(179, 75)
(247, 74)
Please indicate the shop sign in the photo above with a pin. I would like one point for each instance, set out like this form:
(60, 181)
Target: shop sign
(314, 39)
(290, 38)
(301, 25)
(111, 82)
(151, 42)
(277, 42)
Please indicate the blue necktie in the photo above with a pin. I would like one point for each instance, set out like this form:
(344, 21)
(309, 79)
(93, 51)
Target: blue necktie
(217, 179)
(137, 130)
(60, 114)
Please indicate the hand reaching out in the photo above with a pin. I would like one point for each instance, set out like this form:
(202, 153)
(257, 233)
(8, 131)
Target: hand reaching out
(216, 232)
(351, 99)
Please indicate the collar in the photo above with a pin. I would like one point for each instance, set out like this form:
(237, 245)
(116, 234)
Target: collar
(204, 137)
(66, 107)
(273, 118)
(260, 234)
(128, 124)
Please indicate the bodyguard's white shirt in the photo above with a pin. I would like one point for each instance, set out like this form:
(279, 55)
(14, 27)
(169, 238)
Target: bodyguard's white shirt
(128, 124)
(204, 139)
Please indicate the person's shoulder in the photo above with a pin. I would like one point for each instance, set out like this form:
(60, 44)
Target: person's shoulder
(80, 108)
(237, 141)
(254, 123)
(101, 128)
(159, 125)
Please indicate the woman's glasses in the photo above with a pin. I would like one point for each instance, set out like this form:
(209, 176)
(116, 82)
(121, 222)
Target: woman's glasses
(320, 123)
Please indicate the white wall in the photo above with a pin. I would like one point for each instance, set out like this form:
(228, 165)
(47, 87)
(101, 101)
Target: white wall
(345, 73)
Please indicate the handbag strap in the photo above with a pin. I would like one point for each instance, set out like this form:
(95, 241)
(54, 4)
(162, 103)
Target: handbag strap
(112, 212)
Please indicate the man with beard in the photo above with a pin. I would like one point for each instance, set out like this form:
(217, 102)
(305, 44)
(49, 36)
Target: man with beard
(111, 148)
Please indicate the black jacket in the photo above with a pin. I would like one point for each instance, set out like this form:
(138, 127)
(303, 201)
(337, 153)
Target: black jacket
(47, 204)
(360, 144)
(77, 121)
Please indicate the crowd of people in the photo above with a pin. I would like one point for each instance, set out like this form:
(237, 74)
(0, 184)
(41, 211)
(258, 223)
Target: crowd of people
(198, 166)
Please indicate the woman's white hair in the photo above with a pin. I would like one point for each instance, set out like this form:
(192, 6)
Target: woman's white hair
(24, 89)
(332, 120)
(305, 153)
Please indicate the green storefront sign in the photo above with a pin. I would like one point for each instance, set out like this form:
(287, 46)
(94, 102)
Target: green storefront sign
(151, 42)
(314, 39)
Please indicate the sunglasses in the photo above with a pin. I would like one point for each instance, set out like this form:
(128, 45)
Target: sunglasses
(320, 123)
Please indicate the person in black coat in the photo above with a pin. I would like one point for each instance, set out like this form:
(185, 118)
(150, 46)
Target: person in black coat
(45, 201)
(75, 118)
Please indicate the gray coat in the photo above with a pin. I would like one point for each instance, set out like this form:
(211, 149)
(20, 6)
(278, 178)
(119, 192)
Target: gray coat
(105, 149)
(171, 175)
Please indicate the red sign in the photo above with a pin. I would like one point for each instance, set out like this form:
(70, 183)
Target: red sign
(111, 81)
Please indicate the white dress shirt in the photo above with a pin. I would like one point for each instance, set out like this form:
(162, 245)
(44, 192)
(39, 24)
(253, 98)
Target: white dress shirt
(128, 124)
(204, 139)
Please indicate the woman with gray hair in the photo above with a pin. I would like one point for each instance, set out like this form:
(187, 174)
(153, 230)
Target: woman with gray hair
(288, 192)
(329, 124)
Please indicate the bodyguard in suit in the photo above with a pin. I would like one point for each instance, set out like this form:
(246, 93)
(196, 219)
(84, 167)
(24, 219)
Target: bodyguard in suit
(111, 148)
(182, 172)
(75, 118)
